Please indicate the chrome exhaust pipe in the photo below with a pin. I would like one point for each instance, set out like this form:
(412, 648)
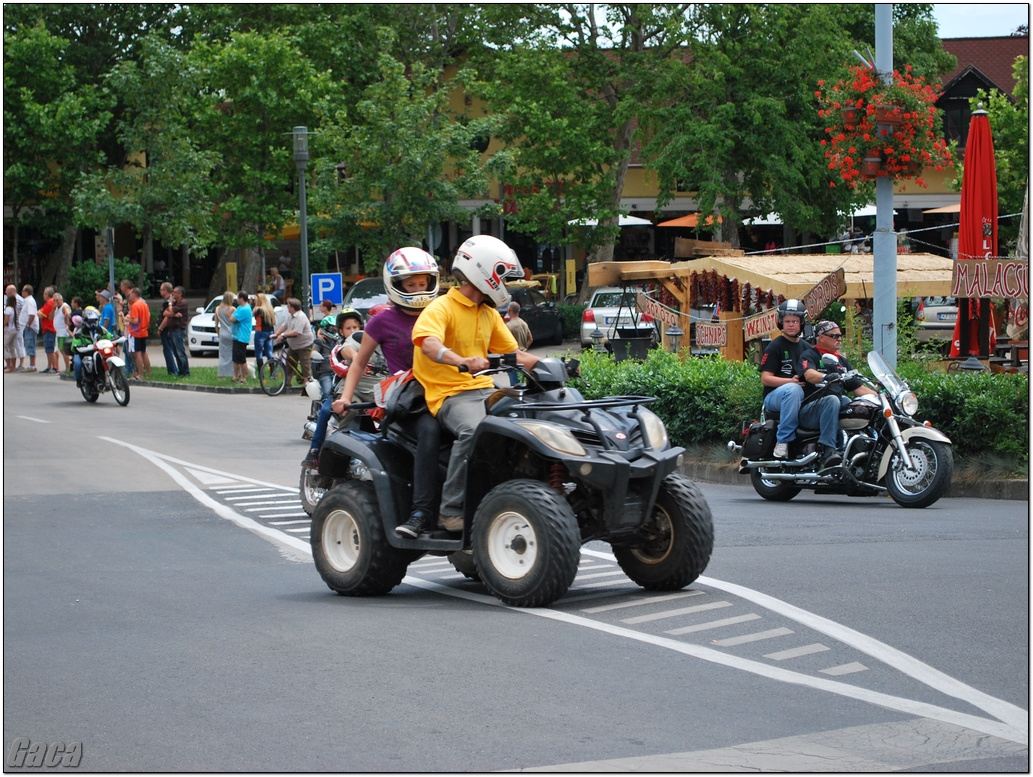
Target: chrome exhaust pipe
(748, 465)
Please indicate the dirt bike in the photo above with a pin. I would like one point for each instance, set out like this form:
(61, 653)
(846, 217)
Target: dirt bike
(883, 448)
(549, 471)
(102, 370)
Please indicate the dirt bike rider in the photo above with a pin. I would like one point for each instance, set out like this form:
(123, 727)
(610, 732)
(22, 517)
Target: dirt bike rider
(326, 339)
(789, 374)
(346, 323)
(87, 332)
(828, 338)
(460, 329)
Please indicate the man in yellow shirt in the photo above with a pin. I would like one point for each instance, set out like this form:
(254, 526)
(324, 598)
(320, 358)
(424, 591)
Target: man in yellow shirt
(462, 328)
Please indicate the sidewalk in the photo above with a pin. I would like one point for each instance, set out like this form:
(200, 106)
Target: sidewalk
(728, 474)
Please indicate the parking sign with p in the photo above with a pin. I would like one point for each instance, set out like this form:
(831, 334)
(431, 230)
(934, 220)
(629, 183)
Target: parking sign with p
(327, 286)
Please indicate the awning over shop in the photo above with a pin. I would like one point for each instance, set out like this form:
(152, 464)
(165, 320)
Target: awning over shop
(956, 208)
(624, 221)
(690, 221)
(793, 275)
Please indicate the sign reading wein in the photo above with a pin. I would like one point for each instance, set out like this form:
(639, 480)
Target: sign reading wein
(990, 278)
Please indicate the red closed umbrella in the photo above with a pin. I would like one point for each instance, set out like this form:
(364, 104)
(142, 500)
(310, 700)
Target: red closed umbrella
(977, 235)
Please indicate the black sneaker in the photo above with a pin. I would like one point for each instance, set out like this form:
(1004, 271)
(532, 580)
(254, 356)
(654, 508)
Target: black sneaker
(312, 460)
(418, 522)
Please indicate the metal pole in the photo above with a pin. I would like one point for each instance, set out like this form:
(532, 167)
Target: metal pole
(301, 160)
(884, 247)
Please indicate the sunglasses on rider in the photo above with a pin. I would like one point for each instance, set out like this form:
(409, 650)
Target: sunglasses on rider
(836, 336)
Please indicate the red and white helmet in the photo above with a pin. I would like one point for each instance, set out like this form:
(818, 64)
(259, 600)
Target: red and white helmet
(405, 263)
(337, 363)
(486, 262)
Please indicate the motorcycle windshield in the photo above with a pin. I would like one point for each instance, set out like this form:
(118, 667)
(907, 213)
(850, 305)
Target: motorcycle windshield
(884, 373)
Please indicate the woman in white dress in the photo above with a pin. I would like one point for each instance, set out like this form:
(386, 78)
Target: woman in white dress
(224, 331)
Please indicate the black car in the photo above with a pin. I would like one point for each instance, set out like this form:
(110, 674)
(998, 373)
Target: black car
(543, 317)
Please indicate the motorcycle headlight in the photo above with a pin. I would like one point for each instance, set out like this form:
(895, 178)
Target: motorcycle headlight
(653, 428)
(556, 437)
(908, 402)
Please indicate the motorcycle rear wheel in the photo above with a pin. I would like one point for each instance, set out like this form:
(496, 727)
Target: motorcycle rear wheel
(272, 377)
(678, 539)
(119, 385)
(772, 490)
(89, 390)
(931, 478)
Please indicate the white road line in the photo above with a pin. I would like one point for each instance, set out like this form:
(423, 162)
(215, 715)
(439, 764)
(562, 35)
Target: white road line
(836, 671)
(713, 624)
(643, 600)
(806, 650)
(34, 420)
(1012, 722)
(657, 616)
(755, 637)
(600, 574)
(284, 523)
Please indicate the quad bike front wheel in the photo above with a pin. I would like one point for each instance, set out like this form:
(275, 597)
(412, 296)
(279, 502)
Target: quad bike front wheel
(526, 543)
(351, 552)
(677, 539)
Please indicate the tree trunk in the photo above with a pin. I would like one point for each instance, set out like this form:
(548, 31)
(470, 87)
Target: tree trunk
(218, 284)
(55, 271)
(251, 277)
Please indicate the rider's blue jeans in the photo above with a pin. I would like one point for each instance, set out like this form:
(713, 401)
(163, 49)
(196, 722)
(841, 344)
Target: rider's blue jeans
(822, 414)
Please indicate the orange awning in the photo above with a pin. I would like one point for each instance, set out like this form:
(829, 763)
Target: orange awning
(691, 221)
(945, 209)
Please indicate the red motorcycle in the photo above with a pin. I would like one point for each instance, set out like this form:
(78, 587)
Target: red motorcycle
(103, 370)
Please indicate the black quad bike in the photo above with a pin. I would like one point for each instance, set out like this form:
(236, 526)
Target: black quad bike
(884, 449)
(549, 472)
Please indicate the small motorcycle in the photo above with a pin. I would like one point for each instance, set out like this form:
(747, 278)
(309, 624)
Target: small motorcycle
(884, 449)
(103, 370)
(549, 471)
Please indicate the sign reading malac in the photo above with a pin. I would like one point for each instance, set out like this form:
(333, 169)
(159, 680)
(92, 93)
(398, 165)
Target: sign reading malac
(990, 278)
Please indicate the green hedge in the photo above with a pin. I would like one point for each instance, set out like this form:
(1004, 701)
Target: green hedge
(704, 401)
(571, 320)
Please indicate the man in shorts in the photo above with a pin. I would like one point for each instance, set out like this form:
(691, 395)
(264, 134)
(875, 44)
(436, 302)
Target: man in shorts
(137, 324)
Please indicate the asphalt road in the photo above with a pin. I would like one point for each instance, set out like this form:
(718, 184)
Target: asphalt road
(161, 608)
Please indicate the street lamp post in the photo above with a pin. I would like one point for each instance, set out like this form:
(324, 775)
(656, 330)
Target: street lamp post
(301, 160)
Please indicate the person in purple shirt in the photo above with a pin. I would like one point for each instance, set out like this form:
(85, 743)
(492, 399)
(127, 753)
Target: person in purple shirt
(411, 281)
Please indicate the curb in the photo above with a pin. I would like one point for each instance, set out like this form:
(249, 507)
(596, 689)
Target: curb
(725, 474)
(192, 387)
(728, 474)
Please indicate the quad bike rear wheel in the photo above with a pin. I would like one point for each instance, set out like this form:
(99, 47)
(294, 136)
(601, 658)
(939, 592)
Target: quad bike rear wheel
(351, 552)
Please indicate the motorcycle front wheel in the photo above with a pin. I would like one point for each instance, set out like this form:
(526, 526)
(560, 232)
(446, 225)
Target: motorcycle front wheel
(119, 385)
(89, 390)
(312, 487)
(929, 480)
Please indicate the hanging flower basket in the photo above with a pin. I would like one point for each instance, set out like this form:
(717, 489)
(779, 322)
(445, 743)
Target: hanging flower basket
(871, 167)
(851, 116)
(897, 123)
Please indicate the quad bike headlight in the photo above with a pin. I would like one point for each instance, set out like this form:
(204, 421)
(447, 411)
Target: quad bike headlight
(556, 437)
(653, 428)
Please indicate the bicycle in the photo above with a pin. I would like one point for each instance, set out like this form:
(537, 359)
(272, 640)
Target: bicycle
(273, 374)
